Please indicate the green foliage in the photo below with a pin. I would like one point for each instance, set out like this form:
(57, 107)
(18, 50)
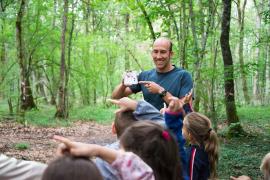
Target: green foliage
(266, 16)
(99, 114)
(255, 119)
(243, 155)
(44, 117)
(235, 130)
(21, 146)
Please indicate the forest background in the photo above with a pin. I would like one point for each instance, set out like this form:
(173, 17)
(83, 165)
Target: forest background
(60, 61)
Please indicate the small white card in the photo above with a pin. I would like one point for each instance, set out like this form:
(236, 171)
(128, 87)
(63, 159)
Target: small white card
(130, 78)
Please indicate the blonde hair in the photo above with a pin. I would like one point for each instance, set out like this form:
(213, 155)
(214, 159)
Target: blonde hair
(265, 166)
(200, 128)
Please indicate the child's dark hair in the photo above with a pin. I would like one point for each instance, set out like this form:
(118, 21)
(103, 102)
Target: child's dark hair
(71, 168)
(156, 146)
(123, 120)
(200, 128)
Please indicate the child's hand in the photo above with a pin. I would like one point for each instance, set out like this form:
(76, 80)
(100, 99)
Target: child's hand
(124, 103)
(187, 98)
(175, 105)
(76, 148)
(243, 177)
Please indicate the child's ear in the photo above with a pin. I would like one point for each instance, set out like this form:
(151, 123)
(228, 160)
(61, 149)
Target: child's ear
(113, 128)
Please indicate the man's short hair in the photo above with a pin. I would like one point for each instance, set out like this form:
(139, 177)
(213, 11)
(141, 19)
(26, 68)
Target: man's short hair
(171, 45)
(167, 39)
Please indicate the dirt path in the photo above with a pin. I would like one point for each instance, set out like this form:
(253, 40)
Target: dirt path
(41, 146)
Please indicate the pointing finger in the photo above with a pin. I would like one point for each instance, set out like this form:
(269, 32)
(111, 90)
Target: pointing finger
(114, 101)
(64, 140)
(144, 82)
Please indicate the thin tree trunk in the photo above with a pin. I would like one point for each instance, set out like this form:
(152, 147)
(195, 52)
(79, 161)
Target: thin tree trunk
(175, 25)
(256, 78)
(228, 63)
(2, 56)
(127, 64)
(85, 88)
(267, 70)
(199, 51)
(40, 87)
(53, 81)
(147, 18)
(212, 92)
(69, 57)
(183, 35)
(26, 97)
(197, 61)
(10, 106)
(62, 109)
(241, 19)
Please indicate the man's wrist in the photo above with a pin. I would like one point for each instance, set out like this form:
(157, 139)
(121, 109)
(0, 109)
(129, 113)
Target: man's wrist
(163, 93)
(160, 90)
(123, 86)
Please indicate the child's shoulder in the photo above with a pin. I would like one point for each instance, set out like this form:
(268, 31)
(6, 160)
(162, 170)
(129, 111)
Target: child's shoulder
(198, 153)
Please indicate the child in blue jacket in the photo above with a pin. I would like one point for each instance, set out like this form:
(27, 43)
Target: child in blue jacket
(202, 153)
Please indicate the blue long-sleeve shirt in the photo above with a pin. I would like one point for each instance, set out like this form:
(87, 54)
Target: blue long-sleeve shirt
(194, 158)
(174, 123)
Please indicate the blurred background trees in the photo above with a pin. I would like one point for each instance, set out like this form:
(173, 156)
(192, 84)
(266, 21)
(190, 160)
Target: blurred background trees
(67, 53)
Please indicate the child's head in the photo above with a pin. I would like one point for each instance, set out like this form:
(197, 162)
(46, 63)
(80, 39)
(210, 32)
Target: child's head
(122, 121)
(198, 130)
(265, 166)
(156, 146)
(71, 168)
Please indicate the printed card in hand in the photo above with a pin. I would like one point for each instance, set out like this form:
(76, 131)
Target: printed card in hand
(130, 78)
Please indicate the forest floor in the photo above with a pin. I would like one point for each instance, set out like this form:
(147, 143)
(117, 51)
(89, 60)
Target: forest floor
(35, 143)
(238, 155)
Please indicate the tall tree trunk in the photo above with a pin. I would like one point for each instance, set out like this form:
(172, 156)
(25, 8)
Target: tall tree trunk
(212, 95)
(198, 60)
(256, 78)
(2, 56)
(127, 64)
(267, 70)
(183, 35)
(69, 56)
(175, 25)
(241, 18)
(199, 51)
(26, 97)
(85, 88)
(62, 109)
(40, 87)
(228, 63)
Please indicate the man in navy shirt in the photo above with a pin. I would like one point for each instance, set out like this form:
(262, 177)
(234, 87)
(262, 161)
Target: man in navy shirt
(162, 82)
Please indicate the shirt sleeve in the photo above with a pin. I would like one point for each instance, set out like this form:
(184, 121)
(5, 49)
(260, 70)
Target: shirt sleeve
(106, 170)
(131, 167)
(187, 108)
(174, 122)
(11, 168)
(186, 84)
(146, 111)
